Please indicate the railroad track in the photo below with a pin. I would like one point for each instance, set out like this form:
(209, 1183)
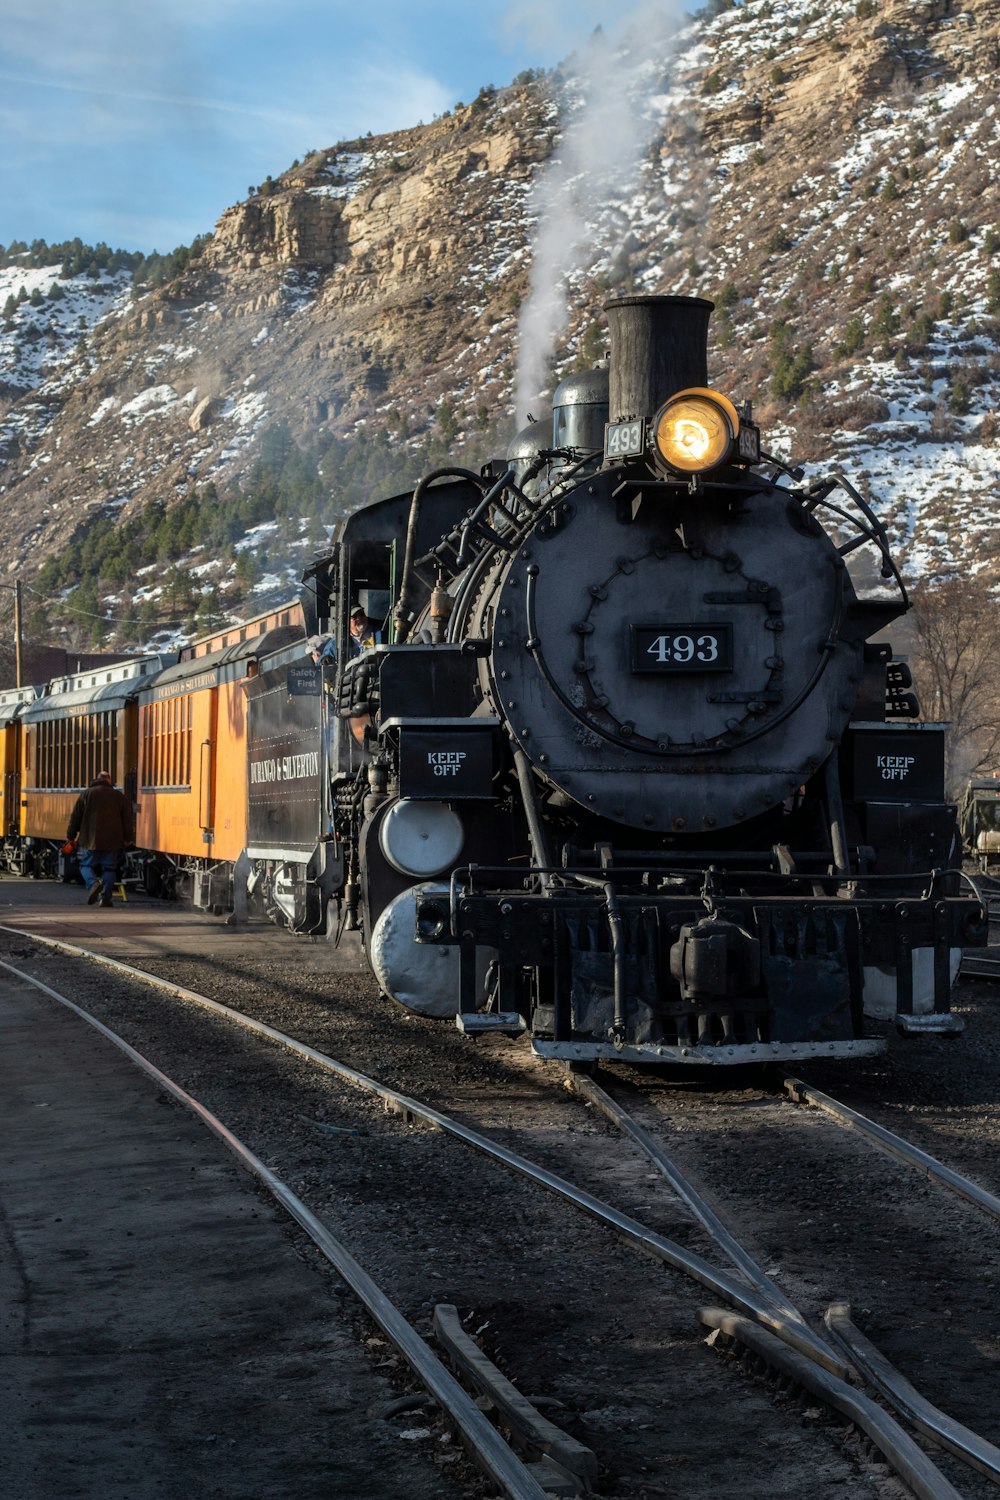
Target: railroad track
(981, 963)
(862, 1358)
(490, 1452)
(821, 1362)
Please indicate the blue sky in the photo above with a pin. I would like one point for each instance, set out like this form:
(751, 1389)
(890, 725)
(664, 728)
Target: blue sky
(138, 122)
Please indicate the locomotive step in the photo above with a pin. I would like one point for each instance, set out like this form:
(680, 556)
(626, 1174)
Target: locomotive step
(502, 1022)
(943, 1023)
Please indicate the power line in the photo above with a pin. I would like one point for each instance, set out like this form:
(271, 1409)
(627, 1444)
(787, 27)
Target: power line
(88, 614)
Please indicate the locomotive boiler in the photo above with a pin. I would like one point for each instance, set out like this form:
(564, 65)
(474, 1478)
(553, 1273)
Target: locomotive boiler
(628, 762)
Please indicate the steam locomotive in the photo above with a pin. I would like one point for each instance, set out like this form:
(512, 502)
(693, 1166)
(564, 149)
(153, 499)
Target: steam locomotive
(629, 770)
(624, 761)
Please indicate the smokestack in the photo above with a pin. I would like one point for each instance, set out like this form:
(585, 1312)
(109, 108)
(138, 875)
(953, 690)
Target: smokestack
(659, 346)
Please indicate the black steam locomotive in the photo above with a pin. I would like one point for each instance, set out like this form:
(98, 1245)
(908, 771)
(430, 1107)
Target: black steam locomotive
(621, 763)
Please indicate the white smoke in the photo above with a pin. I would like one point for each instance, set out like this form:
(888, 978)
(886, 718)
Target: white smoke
(595, 166)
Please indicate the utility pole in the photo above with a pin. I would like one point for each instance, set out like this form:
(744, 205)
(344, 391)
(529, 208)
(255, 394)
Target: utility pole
(15, 589)
(18, 645)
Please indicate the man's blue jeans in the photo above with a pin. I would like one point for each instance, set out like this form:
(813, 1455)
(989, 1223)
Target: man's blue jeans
(102, 865)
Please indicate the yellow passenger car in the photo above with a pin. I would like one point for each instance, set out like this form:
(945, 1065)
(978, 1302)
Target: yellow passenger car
(12, 704)
(192, 768)
(83, 724)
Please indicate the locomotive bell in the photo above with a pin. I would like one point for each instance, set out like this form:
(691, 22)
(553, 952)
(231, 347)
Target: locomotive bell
(659, 346)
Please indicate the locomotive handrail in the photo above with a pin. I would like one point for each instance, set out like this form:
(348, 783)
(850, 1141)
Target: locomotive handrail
(474, 525)
(752, 485)
(584, 874)
(554, 490)
(875, 531)
(457, 540)
(792, 470)
(480, 565)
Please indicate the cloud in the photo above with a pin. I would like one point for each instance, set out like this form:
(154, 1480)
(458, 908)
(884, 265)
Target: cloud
(559, 25)
(114, 63)
(168, 109)
(109, 93)
(70, 42)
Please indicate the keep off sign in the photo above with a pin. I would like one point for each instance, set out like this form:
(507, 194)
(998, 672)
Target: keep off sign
(451, 763)
(897, 765)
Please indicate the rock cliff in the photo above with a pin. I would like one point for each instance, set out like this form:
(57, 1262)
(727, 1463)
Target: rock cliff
(827, 174)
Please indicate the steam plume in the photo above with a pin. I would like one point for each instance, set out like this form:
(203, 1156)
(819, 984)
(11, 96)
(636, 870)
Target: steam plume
(596, 165)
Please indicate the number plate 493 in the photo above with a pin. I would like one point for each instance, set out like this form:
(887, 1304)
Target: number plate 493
(699, 646)
(624, 439)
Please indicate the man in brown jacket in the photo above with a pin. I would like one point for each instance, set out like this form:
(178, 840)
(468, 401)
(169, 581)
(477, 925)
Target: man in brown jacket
(102, 824)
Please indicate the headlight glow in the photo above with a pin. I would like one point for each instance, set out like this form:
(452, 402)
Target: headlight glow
(696, 430)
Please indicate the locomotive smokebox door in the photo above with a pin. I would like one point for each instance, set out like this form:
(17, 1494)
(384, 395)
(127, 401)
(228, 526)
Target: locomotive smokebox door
(677, 671)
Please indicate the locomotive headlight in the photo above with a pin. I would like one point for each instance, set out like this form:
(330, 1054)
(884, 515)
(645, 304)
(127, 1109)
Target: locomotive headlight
(696, 430)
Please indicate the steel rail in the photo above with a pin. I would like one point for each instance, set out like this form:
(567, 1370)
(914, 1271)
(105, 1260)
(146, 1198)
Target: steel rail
(863, 1360)
(978, 1452)
(906, 1457)
(894, 1145)
(585, 1086)
(481, 1439)
(980, 965)
(803, 1349)
(747, 1299)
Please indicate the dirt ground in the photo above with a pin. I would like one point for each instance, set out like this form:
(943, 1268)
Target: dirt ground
(162, 1336)
(570, 1313)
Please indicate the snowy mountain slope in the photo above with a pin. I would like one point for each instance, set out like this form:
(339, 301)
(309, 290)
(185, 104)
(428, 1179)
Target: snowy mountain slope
(825, 173)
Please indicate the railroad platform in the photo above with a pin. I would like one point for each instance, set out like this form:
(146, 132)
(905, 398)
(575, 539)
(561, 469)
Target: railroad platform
(141, 927)
(162, 1335)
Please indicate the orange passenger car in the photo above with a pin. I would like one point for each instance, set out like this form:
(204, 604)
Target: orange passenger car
(82, 725)
(192, 778)
(12, 704)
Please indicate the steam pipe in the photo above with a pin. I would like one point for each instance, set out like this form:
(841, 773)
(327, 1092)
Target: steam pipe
(536, 830)
(405, 603)
(616, 931)
(835, 812)
(618, 962)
